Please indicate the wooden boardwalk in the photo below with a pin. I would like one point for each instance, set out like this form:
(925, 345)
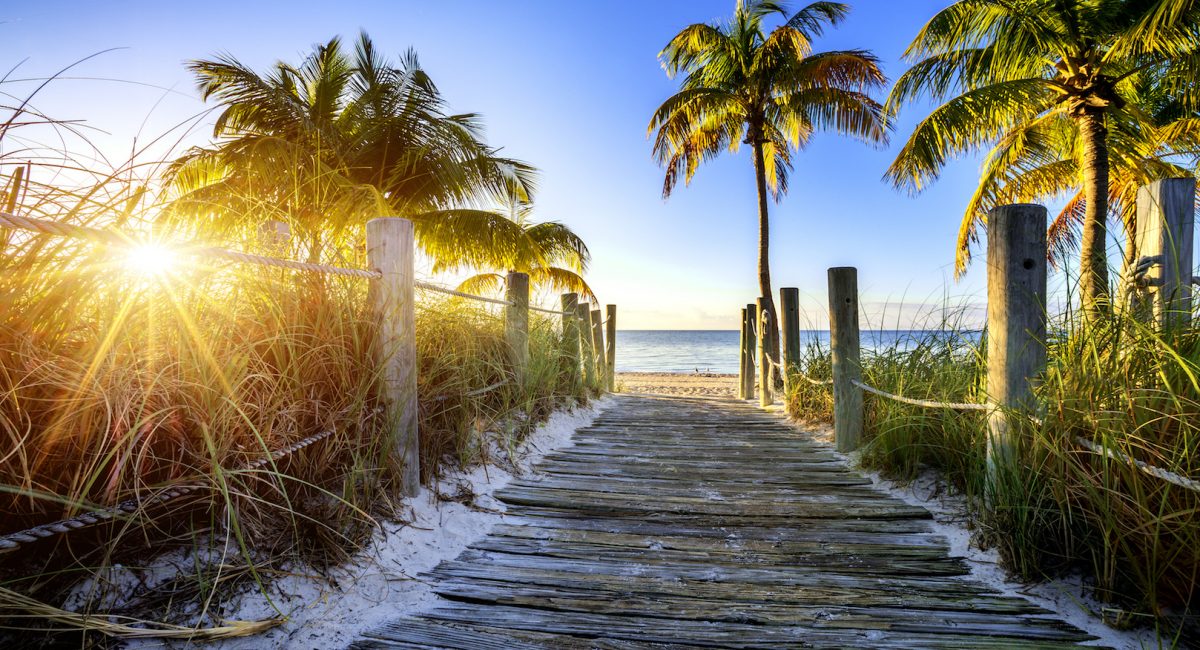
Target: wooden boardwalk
(678, 522)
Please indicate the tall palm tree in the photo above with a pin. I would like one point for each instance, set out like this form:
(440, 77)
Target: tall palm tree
(1013, 72)
(744, 85)
(556, 257)
(1041, 162)
(339, 139)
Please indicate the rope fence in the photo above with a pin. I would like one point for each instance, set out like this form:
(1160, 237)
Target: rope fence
(14, 541)
(954, 406)
(111, 238)
(1156, 472)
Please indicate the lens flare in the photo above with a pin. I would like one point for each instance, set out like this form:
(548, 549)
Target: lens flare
(150, 260)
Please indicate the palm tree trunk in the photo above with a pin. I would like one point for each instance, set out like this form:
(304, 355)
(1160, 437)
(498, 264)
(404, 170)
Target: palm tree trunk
(771, 340)
(1093, 261)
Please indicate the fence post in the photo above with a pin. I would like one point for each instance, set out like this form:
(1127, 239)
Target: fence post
(390, 251)
(1165, 223)
(598, 347)
(273, 236)
(583, 316)
(789, 309)
(570, 337)
(1016, 335)
(766, 375)
(847, 363)
(611, 350)
(749, 346)
(516, 322)
(741, 385)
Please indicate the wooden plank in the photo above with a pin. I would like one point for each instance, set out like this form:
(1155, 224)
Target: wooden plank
(702, 523)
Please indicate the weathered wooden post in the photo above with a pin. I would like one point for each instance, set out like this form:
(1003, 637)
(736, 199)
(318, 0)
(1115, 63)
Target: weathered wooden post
(749, 347)
(847, 364)
(741, 391)
(273, 236)
(583, 315)
(1165, 224)
(570, 337)
(1016, 335)
(765, 374)
(516, 322)
(390, 252)
(597, 322)
(610, 352)
(789, 310)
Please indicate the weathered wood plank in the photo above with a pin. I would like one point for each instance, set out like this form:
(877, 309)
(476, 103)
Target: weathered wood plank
(707, 523)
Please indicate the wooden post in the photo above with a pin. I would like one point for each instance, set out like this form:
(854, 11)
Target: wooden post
(789, 309)
(390, 251)
(597, 321)
(570, 337)
(741, 391)
(1016, 335)
(1165, 223)
(583, 314)
(766, 375)
(516, 323)
(273, 236)
(847, 364)
(749, 314)
(611, 350)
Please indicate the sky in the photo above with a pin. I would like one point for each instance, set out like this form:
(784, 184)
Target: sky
(569, 87)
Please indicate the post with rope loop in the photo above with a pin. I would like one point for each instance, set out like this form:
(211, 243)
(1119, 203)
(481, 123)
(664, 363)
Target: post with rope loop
(1165, 225)
(390, 252)
(749, 345)
(516, 323)
(765, 396)
(1016, 338)
(587, 355)
(610, 352)
(570, 337)
(789, 310)
(847, 363)
(741, 385)
(597, 322)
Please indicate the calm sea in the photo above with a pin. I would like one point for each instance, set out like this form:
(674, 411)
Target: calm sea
(717, 350)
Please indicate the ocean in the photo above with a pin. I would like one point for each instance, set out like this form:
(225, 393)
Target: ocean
(686, 351)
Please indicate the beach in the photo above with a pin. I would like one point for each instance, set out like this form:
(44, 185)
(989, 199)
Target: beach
(700, 384)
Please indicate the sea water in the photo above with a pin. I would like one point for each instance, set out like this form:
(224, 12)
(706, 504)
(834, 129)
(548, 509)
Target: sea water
(687, 351)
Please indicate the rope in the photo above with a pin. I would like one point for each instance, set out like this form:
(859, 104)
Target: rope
(110, 238)
(488, 389)
(550, 311)
(957, 406)
(13, 541)
(429, 286)
(814, 382)
(1157, 472)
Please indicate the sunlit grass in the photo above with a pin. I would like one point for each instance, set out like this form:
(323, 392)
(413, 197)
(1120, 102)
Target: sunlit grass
(1121, 383)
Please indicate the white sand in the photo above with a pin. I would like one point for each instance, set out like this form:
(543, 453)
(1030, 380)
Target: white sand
(701, 384)
(383, 583)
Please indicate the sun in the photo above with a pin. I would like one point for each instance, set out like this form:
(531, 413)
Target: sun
(150, 260)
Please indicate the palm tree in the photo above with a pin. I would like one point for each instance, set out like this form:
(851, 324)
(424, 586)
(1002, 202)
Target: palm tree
(340, 139)
(555, 257)
(742, 84)
(1042, 162)
(1021, 73)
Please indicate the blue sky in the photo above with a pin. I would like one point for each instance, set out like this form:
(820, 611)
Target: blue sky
(570, 87)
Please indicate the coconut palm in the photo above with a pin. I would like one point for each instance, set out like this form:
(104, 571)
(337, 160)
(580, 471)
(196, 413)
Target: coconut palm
(340, 139)
(743, 84)
(1021, 74)
(556, 258)
(1041, 162)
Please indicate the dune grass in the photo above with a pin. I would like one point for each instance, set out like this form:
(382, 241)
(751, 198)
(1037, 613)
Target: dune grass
(1120, 383)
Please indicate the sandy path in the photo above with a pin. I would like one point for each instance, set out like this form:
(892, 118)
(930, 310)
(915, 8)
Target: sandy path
(666, 383)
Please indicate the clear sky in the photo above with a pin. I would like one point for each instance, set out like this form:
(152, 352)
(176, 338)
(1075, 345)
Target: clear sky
(570, 87)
